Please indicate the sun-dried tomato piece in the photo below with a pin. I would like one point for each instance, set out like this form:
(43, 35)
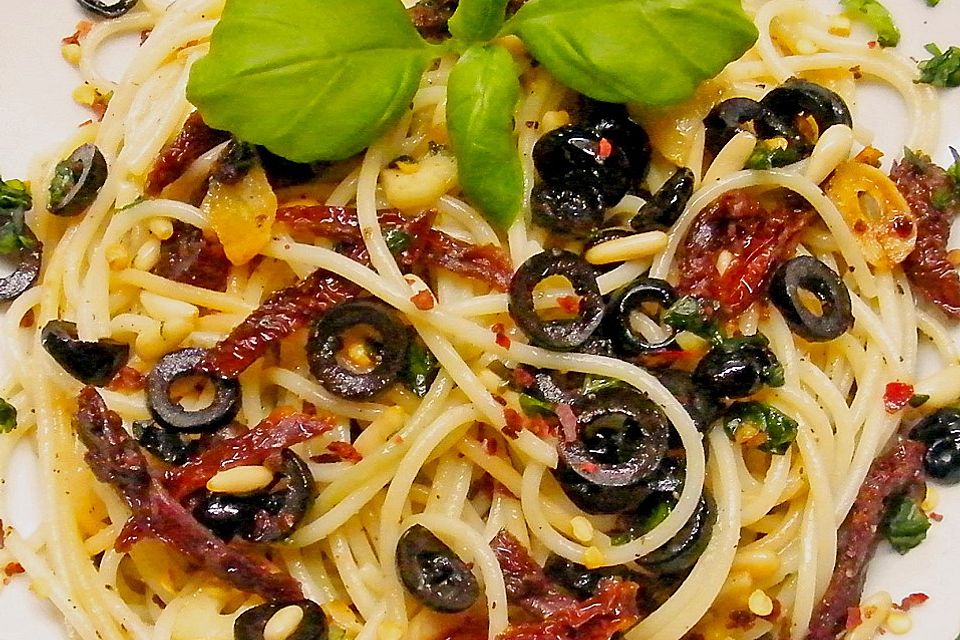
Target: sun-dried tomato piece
(194, 140)
(280, 315)
(935, 202)
(892, 474)
(190, 257)
(758, 240)
(527, 585)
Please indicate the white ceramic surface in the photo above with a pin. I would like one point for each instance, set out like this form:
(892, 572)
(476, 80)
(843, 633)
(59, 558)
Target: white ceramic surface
(36, 111)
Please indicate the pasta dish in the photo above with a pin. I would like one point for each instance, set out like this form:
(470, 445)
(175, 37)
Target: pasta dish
(345, 319)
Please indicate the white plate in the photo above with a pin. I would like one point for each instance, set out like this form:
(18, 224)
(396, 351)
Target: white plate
(37, 112)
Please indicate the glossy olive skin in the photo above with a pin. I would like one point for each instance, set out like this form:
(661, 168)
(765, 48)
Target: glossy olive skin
(613, 122)
(227, 515)
(728, 118)
(941, 423)
(703, 407)
(617, 323)
(663, 209)
(573, 211)
(94, 363)
(940, 431)
(806, 273)
(433, 574)
(168, 446)
(734, 373)
(179, 364)
(683, 550)
(797, 98)
(576, 156)
(77, 180)
(27, 269)
(563, 334)
(583, 582)
(324, 343)
(251, 623)
(108, 9)
(622, 441)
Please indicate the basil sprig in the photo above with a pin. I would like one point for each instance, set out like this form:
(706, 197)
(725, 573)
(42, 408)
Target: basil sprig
(322, 80)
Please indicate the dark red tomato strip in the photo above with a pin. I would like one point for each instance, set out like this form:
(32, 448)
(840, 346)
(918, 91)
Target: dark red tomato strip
(190, 257)
(890, 475)
(115, 459)
(527, 585)
(759, 240)
(928, 268)
(279, 430)
(280, 315)
(194, 140)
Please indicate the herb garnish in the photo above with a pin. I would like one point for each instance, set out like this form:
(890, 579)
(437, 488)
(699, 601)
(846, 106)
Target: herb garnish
(943, 69)
(8, 416)
(905, 525)
(15, 200)
(775, 430)
(875, 15)
(322, 81)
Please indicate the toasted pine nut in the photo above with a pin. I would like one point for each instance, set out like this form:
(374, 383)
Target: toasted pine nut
(638, 245)
(283, 623)
(243, 479)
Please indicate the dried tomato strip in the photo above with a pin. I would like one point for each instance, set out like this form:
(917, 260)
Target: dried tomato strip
(892, 474)
(194, 140)
(527, 585)
(280, 315)
(190, 257)
(115, 459)
(279, 430)
(935, 202)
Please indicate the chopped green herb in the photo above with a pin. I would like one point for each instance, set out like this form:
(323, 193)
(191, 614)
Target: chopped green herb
(14, 201)
(877, 17)
(397, 240)
(8, 416)
(943, 69)
(693, 315)
(954, 169)
(645, 525)
(421, 368)
(775, 152)
(596, 384)
(918, 400)
(535, 406)
(779, 428)
(14, 194)
(771, 374)
(905, 525)
(932, 3)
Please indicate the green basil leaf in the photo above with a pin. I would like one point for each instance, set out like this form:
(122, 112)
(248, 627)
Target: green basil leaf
(477, 20)
(14, 194)
(482, 94)
(905, 525)
(8, 416)
(309, 80)
(943, 69)
(654, 52)
(877, 17)
(780, 429)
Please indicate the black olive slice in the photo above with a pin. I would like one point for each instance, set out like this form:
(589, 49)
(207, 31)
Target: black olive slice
(562, 334)
(94, 363)
(168, 446)
(180, 364)
(433, 574)
(622, 440)
(288, 505)
(685, 548)
(577, 157)
(798, 98)
(728, 118)
(574, 210)
(703, 407)
(618, 324)
(77, 180)
(663, 209)
(939, 424)
(941, 460)
(251, 623)
(325, 342)
(27, 270)
(735, 370)
(612, 121)
(806, 273)
(225, 514)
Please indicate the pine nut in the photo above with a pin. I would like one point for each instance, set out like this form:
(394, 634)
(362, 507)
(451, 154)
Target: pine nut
(283, 623)
(582, 529)
(639, 245)
(760, 603)
(244, 479)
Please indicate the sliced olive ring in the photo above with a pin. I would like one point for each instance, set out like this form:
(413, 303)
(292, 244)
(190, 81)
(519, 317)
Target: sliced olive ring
(622, 440)
(325, 342)
(728, 118)
(806, 273)
(433, 574)
(939, 424)
(561, 335)
(682, 551)
(574, 210)
(797, 98)
(27, 270)
(737, 370)
(180, 364)
(169, 446)
(94, 363)
(618, 323)
(663, 209)
(251, 623)
(703, 407)
(77, 180)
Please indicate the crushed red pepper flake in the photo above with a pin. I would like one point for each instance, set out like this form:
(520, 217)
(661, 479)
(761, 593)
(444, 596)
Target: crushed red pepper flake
(912, 600)
(13, 568)
(127, 379)
(741, 619)
(83, 28)
(345, 451)
(570, 304)
(514, 423)
(896, 396)
(423, 300)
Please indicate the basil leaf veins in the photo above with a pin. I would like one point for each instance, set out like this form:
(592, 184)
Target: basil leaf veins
(309, 80)
(655, 52)
(482, 94)
(477, 20)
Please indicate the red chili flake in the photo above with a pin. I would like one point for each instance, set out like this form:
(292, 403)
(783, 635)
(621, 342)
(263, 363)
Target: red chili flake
(568, 421)
(589, 467)
(539, 426)
(514, 423)
(127, 379)
(912, 600)
(423, 300)
(741, 619)
(309, 409)
(398, 439)
(896, 396)
(873, 44)
(854, 618)
(604, 149)
(13, 568)
(503, 339)
(83, 28)
(902, 226)
(27, 320)
(522, 377)
(144, 35)
(570, 304)
(345, 451)
(936, 517)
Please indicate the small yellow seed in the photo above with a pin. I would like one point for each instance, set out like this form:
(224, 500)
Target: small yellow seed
(840, 25)
(760, 603)
(582, 529)
(85, 95)
(513, 44)
(117, 257)
(639, 245)
(161, 228)
(283, 623)
(553, 120)
(71, 53)
(898, 622)
(930, 500)
(593, 558)
(244, 479)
